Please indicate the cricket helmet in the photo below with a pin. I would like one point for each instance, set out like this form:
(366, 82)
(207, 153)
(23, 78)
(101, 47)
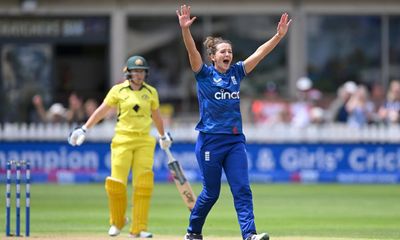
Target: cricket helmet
(136, 62)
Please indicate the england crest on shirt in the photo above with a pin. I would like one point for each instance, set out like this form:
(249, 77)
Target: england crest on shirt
(234, 80)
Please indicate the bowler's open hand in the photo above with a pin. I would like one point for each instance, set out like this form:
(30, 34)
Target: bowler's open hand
(283, 25)
(184, 16)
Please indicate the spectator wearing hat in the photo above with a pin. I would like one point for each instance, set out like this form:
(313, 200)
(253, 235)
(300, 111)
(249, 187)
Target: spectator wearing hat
(304, 110)
(55, 114)
(337, 111)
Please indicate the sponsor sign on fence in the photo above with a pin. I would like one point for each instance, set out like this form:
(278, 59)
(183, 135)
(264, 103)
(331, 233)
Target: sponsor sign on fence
(342, 163)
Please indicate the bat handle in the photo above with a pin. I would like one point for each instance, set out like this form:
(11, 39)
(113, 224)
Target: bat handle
(169, 154)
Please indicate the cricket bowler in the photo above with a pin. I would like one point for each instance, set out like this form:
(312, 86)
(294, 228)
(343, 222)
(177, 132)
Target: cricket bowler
(221, 144)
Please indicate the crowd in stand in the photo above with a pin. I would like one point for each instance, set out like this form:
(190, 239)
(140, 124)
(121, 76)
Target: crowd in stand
(77, 111)
(355, 105)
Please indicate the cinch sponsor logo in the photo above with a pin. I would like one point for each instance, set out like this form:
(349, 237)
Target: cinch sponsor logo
(221, 95)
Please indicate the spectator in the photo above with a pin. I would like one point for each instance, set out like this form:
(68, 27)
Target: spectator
(301, 108)
(317, 115)
(271, 109)
(89, 107)
(389, 112)
(337, 110)
(75, 112)
(55, 114)
(377, 95)
(360, 109)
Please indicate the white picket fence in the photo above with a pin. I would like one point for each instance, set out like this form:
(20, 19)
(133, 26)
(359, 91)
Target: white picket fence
(331, 133)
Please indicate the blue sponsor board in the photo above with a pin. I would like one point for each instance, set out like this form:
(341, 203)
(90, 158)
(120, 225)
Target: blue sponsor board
(343, 163)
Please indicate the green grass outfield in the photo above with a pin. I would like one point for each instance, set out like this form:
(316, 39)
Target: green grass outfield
(286, 211)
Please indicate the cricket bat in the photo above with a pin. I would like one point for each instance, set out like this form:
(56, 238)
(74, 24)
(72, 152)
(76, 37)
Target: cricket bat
(180, 180)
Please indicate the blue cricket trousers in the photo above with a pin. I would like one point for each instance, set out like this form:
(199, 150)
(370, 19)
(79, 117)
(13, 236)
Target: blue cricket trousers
(215, 152)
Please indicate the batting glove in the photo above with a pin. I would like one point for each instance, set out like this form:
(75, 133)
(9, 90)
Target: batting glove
(165, 141)
(77, 136)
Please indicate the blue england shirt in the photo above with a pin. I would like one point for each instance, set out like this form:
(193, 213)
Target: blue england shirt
(219, 99)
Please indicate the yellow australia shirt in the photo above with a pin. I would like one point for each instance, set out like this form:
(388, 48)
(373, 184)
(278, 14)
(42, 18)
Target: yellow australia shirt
(134, 107)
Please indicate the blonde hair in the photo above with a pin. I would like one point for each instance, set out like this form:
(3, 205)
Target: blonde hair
(211, 44)
(391, 95)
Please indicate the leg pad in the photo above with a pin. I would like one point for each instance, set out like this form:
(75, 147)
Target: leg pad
(142, 192)
(116, 192)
